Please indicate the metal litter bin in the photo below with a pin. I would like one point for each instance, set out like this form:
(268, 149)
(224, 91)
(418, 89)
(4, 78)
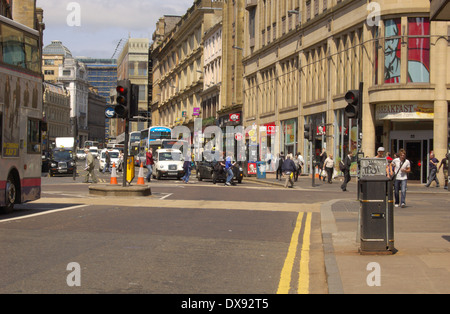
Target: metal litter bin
(376, 215)
(261, 170)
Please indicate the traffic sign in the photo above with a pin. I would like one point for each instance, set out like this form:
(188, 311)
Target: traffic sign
(109, 112)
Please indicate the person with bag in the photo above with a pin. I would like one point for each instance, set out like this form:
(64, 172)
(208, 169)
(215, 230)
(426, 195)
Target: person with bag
(90, 165)
(288, 169)
(345, 168)
(329, 167)
(402, 167)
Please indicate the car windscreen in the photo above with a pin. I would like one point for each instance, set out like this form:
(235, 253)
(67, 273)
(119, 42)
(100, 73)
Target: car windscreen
(168, 156)
(62, 155)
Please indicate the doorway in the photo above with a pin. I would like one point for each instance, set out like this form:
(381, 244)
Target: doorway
(417, 145)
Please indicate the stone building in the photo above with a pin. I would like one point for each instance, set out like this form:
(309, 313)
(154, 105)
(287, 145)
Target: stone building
(302, 56)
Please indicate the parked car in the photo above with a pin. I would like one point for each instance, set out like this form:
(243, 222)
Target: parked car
(81, 155)
(205, 170)
(114, 154)
(168, 163)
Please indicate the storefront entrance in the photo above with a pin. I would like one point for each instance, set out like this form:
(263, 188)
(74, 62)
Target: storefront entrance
(417, 145)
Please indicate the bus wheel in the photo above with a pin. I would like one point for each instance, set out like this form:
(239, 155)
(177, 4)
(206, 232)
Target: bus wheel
(10, 196)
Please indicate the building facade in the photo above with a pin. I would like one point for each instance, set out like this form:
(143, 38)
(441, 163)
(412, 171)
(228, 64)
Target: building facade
(96, 115)
(60, 66)
(178, 67)
(102, 75)
(56, 113)
(132, 65)
(301, 57)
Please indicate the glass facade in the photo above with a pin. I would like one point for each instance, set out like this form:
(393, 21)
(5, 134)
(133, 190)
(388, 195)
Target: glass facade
(102, 74)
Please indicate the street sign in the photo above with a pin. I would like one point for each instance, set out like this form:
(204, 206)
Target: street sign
(109, 112)
(373, 167)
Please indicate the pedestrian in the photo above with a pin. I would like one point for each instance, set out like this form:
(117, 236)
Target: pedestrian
(107, 162)
(329, 167)
(380, 152)
(346, 170)
(433, 170)
(149, 163)
(390, 168)
(297, 167)
(187, 170)
(229, 170)
(323, 157)
(288, 169)
(444, 164)
(280, 162)
(89, 167)
(402, 167)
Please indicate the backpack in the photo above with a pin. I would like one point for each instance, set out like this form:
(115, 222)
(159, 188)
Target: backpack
(342, 166)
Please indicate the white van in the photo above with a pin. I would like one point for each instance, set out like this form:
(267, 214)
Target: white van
(114, 154)
(168, 163)
(94, 151)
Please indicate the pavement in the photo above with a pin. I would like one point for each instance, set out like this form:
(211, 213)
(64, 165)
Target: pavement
(420, 262)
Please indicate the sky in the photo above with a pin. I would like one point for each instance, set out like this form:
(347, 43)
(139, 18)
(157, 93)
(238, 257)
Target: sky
(93, 28)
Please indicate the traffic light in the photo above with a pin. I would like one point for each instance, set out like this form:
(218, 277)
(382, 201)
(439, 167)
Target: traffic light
(134, 101)
(123, 99)
(309, 132)
(354, 106)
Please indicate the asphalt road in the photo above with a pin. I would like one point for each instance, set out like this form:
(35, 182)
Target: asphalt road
(192, 238)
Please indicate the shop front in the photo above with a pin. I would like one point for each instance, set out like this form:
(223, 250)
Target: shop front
(409, 127)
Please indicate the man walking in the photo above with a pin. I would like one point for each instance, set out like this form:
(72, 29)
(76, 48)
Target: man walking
(433, 170)
(229, 170)
(107, 162)
(149, 163)
(288, 169)
(347, 164)
(89, 167)
(402, 168)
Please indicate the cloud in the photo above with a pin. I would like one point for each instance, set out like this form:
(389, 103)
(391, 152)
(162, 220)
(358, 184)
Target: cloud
(104, 22)
(99, 14)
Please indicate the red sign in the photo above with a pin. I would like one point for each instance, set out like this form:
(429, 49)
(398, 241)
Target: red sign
(271, 128)
(251, 168)
(235, 117)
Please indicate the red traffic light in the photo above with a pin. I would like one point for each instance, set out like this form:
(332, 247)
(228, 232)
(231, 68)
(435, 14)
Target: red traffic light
(121, 89)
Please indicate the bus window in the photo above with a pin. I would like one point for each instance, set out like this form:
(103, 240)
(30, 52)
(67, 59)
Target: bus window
(34, 137)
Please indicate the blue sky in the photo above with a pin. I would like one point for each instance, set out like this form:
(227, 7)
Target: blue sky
(103, 23)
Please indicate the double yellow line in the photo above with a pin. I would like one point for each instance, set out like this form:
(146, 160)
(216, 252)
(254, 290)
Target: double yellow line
(286, 274)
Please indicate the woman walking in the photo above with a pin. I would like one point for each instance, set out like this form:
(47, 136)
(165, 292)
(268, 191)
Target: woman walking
(329, 167)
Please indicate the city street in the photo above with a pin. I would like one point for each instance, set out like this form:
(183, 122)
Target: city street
(185, 238)
(253, 238)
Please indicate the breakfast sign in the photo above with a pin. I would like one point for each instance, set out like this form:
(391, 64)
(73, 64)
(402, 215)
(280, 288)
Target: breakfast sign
(405, 111)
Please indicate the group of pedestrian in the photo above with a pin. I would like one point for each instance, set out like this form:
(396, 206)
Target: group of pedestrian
(298, 161)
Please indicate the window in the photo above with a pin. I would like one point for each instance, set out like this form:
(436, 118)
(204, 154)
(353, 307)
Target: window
(418, 50)
(392, 50)
(19, 50)
(33, 137)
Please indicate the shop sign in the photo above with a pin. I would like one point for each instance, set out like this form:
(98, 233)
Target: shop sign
(405, 112)
(271, 128)
(196, 111)
(235, 117)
